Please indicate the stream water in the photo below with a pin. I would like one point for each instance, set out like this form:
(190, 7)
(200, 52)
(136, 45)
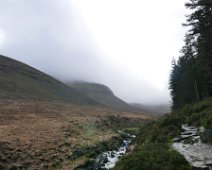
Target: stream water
(189, 144)
(108, 159)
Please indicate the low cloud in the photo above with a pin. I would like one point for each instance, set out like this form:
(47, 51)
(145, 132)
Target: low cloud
(52, 35)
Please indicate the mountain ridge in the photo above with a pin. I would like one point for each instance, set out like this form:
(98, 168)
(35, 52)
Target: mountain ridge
(21, 81)
(102, 94)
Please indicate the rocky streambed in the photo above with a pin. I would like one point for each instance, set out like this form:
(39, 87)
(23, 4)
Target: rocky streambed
(108, 159)
(189, 144)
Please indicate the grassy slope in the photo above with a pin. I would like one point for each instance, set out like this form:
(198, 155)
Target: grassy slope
(101, 94)
(48, 135)
(20, 81)
(154, 150)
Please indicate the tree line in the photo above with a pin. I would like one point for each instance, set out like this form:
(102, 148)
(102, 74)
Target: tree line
(191, 76)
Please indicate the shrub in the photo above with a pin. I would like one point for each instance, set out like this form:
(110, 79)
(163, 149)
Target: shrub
(153, 156)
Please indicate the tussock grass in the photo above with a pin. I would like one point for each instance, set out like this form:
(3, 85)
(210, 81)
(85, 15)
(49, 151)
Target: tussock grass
(43, 135)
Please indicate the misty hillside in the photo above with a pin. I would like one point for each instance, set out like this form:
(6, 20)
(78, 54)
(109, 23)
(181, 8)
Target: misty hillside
(153, 109)
(20, 81)
(101, 94)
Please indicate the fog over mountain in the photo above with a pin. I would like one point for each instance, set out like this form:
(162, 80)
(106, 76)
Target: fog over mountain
(97, 41)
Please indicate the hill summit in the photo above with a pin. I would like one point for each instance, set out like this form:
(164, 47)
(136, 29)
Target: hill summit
(101, 94)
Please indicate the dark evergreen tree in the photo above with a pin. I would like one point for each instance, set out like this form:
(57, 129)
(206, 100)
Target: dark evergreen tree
(200, 22)
(183, 79)
(173, 85)
(191, 76)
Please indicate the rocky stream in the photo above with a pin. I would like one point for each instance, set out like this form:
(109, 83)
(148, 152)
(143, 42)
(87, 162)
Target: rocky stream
(108, 159)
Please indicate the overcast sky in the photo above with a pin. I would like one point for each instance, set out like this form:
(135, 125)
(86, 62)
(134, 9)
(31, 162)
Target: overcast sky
(127, 45)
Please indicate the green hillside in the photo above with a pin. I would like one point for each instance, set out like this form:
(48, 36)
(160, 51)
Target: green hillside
(20, 81)
(154, 143)
(101, 94)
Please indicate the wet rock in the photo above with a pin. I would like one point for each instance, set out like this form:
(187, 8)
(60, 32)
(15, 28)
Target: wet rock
(112, 154)
(189, 144)
(105, 160)
(108, 159)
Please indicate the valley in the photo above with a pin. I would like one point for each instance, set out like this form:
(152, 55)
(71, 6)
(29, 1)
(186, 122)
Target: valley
(47, 124)
(56, 135)
(95, 85)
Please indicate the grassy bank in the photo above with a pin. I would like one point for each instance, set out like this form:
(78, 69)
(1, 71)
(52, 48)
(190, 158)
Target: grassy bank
(153, 149)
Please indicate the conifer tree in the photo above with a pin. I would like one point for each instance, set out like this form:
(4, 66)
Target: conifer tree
(191, 76)
(200, 22)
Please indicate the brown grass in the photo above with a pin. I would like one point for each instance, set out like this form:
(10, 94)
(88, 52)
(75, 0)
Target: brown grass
(39, 135)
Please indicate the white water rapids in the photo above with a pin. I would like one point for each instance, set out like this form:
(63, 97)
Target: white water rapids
(108, 159)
